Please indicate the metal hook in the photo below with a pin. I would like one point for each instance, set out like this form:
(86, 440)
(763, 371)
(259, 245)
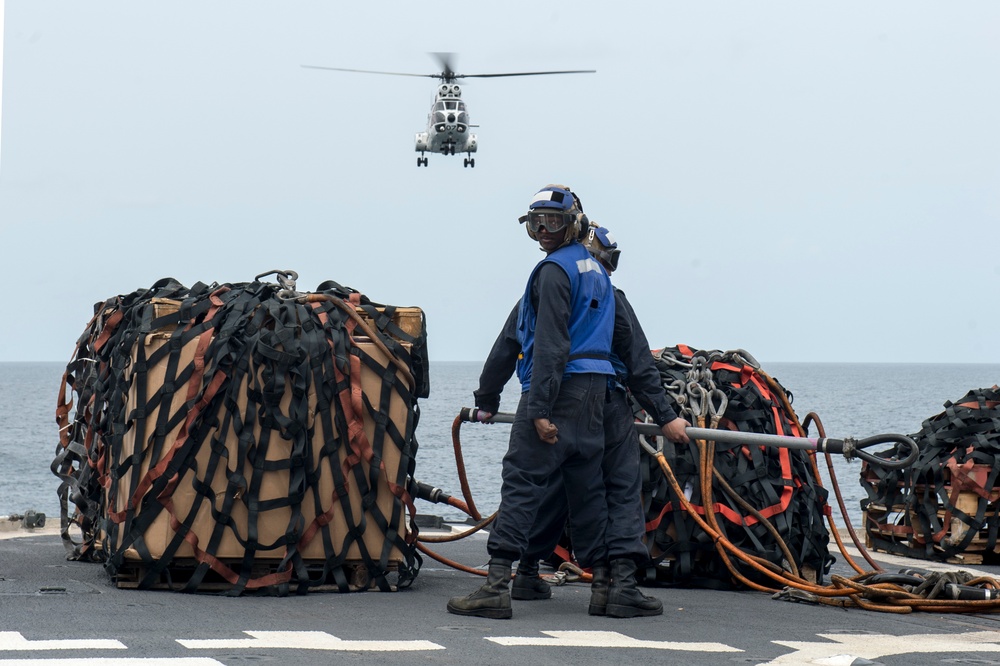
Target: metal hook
(743, 356)
(649, 448)
(286, 278)
(698, 397)
(717, 408)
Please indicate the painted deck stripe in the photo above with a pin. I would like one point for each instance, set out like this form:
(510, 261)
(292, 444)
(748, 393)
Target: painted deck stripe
(116, 661)
(873, 646)
(13, 640)
(606, 639)
(306, 640)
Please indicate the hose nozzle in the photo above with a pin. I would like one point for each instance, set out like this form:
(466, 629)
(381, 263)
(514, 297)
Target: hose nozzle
(429, 493)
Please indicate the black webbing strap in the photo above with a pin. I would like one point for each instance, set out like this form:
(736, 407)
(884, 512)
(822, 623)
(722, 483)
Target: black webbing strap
(382, 317)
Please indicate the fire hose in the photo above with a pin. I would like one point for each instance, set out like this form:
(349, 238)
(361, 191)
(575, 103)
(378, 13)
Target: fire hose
(913, 590)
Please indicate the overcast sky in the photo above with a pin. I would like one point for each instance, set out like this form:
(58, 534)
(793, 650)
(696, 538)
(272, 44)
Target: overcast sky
(809, 181)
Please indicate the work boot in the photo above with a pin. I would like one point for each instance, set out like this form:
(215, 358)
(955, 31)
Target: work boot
(624, 597)
(600, 579)
(492, 600)
(528, 585)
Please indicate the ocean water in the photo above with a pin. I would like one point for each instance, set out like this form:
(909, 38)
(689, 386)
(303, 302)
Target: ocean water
(851, 399)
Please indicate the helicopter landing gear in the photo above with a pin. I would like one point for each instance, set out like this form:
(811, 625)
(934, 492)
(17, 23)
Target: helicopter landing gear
(470, 162)
(421, 161)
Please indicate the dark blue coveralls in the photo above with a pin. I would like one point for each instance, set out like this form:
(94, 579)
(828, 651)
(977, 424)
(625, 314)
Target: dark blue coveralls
(564, 326)
(622, 477)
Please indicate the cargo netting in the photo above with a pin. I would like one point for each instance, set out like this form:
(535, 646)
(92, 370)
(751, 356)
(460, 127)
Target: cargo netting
(766, 501)
(943, 507)
(244, 436)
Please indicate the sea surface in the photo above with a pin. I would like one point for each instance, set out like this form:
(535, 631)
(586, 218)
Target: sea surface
(851, 399)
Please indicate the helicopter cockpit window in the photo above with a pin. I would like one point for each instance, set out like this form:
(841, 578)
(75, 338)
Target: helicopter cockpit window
(439, 106)
(451, 105)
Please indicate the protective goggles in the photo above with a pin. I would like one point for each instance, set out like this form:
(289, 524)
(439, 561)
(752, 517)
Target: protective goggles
(552, 221)
(609, 257)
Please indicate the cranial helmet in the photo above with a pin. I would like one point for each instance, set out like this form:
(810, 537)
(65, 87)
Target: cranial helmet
(603, 246)
(561, 201)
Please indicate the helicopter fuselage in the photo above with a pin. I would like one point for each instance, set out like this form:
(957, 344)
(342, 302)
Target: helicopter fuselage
(448, 122)
(447, 127)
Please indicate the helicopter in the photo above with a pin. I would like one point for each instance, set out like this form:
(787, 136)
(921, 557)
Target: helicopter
(448, 120)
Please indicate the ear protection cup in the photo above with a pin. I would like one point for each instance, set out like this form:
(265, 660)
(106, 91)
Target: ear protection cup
(582, 226)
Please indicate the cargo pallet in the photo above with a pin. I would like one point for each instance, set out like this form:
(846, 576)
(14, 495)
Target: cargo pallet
(893, 528)
(181, 570)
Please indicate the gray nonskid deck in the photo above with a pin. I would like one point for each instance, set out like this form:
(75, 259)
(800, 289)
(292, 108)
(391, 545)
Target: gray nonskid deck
(57, 612)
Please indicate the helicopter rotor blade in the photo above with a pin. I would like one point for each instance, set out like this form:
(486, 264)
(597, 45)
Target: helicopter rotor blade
(448, 74)
(369, 71)
(486, 76)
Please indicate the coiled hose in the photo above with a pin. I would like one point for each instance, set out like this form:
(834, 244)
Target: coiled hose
(870, 590)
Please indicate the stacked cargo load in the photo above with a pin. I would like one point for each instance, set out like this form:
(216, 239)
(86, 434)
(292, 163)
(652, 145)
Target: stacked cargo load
(244, 436)
(945, 506)
(766, 501)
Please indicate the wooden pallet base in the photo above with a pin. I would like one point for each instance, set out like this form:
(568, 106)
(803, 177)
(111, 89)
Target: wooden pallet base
(180, 572)
(895, 525)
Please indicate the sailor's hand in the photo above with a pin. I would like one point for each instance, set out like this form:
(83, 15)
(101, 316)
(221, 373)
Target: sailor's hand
(674, 431)
(547, 431)
(484, 416)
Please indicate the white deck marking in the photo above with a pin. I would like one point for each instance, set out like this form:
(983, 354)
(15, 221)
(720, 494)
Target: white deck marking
(13, 640)
(606, 639)
(838, 660)
(115, 661)
(306, 640)
(911, 563)
(872, 646)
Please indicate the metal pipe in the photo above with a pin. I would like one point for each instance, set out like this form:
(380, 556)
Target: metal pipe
(849, 447)
(821, 444)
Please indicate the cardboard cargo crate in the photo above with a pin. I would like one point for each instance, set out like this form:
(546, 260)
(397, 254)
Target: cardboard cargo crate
(248, 498)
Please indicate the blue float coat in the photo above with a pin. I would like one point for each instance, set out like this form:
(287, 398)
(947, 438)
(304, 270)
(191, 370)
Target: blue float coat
(576, 327)
(620, 465)
(567, 310)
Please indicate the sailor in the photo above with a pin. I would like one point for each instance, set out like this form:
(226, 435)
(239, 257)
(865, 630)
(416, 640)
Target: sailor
(565, 325)
(635, 369)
